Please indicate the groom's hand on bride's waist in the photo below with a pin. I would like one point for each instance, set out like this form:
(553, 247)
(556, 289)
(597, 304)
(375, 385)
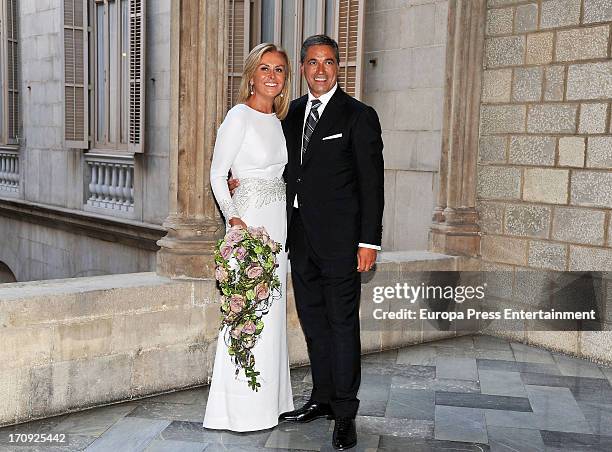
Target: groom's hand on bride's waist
(365, 259)
(232, 184)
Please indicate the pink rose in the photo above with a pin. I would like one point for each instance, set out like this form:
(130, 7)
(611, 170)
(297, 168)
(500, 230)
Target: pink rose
(262, 291)
(221, 274)
(265, 238)
(234, 235)
(236, 333)
(237, 303)
(254, 271)
(249, 327)
(274, 246)
(240, 253)
(226, 251)
(256, 232)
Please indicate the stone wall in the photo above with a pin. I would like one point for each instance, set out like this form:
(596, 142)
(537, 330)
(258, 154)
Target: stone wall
(35, 252)
(404, 80)
(545, 157)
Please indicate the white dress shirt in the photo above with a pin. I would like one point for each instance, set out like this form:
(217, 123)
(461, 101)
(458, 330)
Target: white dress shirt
(324, 98)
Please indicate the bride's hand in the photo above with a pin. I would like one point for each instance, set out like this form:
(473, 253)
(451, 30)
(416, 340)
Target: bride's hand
(237, 221)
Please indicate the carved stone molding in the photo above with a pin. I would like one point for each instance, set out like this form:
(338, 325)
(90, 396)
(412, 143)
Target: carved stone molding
(454, 228)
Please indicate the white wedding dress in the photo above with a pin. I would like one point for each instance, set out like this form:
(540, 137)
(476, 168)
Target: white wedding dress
(252, 144)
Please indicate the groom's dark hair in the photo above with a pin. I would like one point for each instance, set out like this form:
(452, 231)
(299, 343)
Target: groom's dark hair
(319, 40)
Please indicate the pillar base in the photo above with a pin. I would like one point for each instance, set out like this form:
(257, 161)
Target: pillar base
(187, 251)
(457, 234)
(448, 240)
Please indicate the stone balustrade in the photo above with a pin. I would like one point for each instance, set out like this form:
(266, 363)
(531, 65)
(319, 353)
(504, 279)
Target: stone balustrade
(111, 183)
(9, 171)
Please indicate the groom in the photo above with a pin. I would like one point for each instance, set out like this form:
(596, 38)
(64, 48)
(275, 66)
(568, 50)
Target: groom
(335, 201)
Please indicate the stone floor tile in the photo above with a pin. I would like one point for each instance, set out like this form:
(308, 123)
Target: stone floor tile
(556, 409)
(513, 366)
(170, 411)
(499, 382)
(491, 343)
(375, 408)
(194, 396)
(70, 443)
(463, 342)
(411, 404)
(399, 370)
(575, 367)
(174, 446)
(194, 432)
(421, 355)
(505, 355)
(460, 424)
(599, 416)
(94, 422)
(584, 389)
(513, 419)
(485, 401)
(406, 428)
(386, 357)
(438, 384)
(525, 353)
(504, 439)
(456, 368)
(395, 443)
(41, 426)
(576, 441)
(374, 392)
(311, 436)
(129, 433)
(456, 352)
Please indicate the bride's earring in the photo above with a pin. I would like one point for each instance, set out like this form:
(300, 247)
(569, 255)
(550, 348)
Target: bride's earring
(251, 89)
(282, 95)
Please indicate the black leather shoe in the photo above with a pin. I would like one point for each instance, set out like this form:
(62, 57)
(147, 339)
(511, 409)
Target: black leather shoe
(309, 412)
(345, 434)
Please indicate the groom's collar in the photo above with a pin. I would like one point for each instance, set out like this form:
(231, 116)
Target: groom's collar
(324, 98)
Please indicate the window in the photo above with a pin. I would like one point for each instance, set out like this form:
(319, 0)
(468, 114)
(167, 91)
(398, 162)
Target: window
(289, 22)
(104, 94)
(9, 82)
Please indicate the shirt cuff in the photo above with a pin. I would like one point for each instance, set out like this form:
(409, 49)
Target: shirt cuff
(367, 245)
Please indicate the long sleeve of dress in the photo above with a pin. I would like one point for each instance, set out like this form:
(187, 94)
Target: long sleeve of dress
(230, 137)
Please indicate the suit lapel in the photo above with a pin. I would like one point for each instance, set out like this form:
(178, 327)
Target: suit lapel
(333, 109)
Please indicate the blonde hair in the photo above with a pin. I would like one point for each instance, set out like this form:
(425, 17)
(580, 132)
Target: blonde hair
(281, 102)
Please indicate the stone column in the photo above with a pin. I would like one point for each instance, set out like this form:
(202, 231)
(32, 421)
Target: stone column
(197, 107)
(454, 229)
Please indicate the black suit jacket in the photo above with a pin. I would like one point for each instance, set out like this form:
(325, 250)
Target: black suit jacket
(339, 184)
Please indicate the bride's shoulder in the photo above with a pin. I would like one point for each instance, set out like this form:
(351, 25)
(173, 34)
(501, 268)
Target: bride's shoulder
(237, 114)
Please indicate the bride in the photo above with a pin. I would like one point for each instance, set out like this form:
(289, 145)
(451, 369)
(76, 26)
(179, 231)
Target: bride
(250, 142)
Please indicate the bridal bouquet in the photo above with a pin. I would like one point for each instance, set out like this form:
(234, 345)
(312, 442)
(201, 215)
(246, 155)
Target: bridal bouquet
(245, 268)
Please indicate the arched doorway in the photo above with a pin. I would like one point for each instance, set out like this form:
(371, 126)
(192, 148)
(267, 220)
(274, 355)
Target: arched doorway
(6, 275)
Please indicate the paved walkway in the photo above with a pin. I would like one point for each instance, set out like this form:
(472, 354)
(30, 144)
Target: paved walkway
(465, 394)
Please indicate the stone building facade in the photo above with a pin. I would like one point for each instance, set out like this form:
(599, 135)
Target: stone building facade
(545, 155)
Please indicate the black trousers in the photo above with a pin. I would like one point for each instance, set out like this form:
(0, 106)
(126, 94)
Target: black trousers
(327, 300)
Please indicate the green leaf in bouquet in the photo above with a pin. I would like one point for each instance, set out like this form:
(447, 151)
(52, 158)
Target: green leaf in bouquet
(250, 294)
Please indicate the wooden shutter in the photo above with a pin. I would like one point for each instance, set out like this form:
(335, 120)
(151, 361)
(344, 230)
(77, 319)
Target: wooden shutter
(137, 34)
(12, 92)
(238, 13)
(76, 133)
(349, 34)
